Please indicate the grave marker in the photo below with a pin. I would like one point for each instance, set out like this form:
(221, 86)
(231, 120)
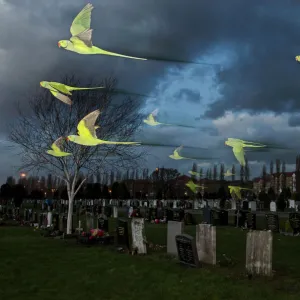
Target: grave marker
(294, 219)
(259, 249)
(186, 250)
(272, 222)
(206, 243)
(251, 221)
(103, 224)
(273, 206)
(138, 236)
(122, 233)
(174, 228)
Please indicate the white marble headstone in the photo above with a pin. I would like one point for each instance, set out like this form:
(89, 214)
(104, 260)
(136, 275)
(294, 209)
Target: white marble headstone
(273, 206)
(291, 203)
(233, 204)
(49, 218)
(206, 243)
(154, 203)
(138, 235)
(252, 205)
(145, 204)
(175, 204)
(115, 211)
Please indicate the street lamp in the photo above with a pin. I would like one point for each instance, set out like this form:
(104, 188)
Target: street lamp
(23, 175)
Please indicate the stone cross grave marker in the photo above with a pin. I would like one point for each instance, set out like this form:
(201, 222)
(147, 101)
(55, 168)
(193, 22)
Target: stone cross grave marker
(186, 250)
(206, 243)
(138, 236)
(272, 222)
(259, 248)
(122, 233)
(103, 224)
(273, 206)
(174, 228)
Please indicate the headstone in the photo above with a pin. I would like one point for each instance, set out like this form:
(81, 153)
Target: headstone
(55, 221)
(49, 219)
(89, 221)
(154, 203)
(174, 228)
(186, 250)
(245, 205)
(251, 221)
(130, 211)
(122, 233)
(273, 206)
(207, 215)
(291, 203)
(240, 218)
(223, 217)
(272, 222)
(233, 204)
(103, 224)
(259, 248)
(294, 219)
(188, 219)
(252, 205)
(206, 243)
(108, 211)
(138, 236)
(175, 204)
(115, 212)
(195, 204)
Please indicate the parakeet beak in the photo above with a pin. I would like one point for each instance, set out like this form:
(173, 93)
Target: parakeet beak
(58, 44)
(67, 139)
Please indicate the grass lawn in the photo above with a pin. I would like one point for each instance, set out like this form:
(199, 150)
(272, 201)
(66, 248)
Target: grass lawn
(33, 267)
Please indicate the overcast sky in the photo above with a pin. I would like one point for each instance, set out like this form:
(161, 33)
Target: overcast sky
(255, 95)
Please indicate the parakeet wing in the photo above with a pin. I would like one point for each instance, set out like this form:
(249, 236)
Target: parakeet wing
(61, 97)
(57, 145)
(82, 21)
(60, 87)
(240, 155)
(86, 127)
(151, 118)
(155, 112)
(179, 149)
(83, 38)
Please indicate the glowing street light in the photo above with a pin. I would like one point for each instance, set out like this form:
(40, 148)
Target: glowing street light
(23, 175)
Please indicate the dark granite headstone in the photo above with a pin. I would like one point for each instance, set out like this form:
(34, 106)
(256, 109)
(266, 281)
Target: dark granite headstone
(169, 214)
(245, 205)
(188, 219)
(122, 233)
(55, 221)
(108, 211)
(223, 217)
(103, 224)
(240, 217)
(294, 219)
(251, 221)
(207, 215)
(186, 249)
(272, 222)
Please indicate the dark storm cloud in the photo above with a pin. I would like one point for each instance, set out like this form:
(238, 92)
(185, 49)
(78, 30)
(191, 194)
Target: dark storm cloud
(264, 38)
(188, 95)
(294, 120)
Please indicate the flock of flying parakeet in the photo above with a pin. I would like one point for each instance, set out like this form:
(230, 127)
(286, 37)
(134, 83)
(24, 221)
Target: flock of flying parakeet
(81, 43)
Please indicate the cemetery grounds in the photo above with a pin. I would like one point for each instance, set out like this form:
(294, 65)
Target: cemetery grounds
(33, 267)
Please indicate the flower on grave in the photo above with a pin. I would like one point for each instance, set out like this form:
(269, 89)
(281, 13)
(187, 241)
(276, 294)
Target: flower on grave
(156, 221)
(97, 232)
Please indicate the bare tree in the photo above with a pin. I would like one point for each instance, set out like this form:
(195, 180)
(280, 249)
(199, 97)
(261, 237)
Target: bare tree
(233, 173)
(222, 171)
(49, 119)
(215, 172)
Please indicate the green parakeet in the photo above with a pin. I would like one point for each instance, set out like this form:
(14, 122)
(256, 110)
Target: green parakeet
(56, 148)
(87, 133)
(236, 190)
(177, 156)
(81, 40)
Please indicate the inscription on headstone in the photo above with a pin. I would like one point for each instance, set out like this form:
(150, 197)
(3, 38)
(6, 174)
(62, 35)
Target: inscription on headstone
(122, 233)
(272, 222)
(103, 224)
(186, 250)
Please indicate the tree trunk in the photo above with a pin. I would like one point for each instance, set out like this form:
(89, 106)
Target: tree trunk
(70, 213)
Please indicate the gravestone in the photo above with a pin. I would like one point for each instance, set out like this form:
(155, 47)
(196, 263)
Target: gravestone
(89, 221)
(251, 221)
(169, 215)
(55, 221)
(206, 243)
(240, 218)
(103, 224)
(62, 223)
(245, 205)
(223, 217)
(122, 233)
(252, 205)
(138, 236)
(233, 204)
(130, 210)
(115, 212)
(272, 222)
(291, 203)
(294, 219)
(207, 215)
(108, 211)
(188, 219)
(174, 228)
(186, 250)
(49, 219)
(259, 248)
(273, 206)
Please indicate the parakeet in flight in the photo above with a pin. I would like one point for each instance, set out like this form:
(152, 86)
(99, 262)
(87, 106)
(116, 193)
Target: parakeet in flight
(236, 190)
(56, 148)
(238, 148)
(59, 89)
(297, 58)
(81, 40)
(152, 122)
(177, 156)
(228, 173)
(195, 173)
(193, 187)
(87, 133)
